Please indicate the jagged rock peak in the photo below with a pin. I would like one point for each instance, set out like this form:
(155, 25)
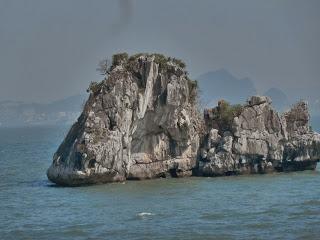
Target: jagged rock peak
(257, 100)
(298, 119)
(140, 122)
(254, 138)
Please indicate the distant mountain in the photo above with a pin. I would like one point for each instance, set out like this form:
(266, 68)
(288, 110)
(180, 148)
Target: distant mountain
(314, 105)
(315, 123)
(279, 99)
(61, 112)
(221, 84)
(315, 114)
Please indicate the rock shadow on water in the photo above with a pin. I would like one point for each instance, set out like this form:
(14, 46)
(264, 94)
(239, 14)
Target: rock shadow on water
(32, 183)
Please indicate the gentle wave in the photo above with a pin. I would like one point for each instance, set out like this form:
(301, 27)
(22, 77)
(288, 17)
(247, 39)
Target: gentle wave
(144, 214)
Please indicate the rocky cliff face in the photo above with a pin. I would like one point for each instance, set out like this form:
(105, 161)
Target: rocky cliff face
(258, 140)
(142, 122)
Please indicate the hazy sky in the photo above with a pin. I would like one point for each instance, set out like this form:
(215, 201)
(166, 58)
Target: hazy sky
(49, 49)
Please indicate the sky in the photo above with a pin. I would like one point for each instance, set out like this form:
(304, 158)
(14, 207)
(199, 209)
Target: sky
(50, 49)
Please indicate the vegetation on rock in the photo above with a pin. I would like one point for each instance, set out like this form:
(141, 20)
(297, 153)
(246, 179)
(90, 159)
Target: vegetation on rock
(119, 58)
(224, 113)
(193, 90)
(95, 87)
(104, 67)
(166, 65)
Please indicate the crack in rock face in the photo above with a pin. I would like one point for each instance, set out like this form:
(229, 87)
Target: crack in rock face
(142, 122)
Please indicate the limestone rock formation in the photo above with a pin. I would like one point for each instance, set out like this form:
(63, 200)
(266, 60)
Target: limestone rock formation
(258, 140)
(140, 122)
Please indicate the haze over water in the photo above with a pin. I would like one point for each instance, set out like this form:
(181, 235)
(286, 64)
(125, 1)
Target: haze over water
(271, 206)
(49, 55)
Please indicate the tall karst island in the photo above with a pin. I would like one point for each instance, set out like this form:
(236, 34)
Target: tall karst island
(143, 121)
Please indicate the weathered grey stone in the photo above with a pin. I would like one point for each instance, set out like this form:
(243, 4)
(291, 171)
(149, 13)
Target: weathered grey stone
(220, 163)
(140, 123)
(263, 141)
(297, 120)
(258, 100)
(214, 138)
(226, 142)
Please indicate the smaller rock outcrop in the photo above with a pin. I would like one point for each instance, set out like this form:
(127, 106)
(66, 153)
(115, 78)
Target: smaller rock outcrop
(254, 138)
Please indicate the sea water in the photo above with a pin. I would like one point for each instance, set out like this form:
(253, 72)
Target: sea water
(271, 206)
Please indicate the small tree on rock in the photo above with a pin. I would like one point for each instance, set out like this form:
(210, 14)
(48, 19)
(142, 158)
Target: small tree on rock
(104, 67)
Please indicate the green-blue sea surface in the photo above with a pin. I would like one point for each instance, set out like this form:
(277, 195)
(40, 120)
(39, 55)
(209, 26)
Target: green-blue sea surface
(275, 206)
